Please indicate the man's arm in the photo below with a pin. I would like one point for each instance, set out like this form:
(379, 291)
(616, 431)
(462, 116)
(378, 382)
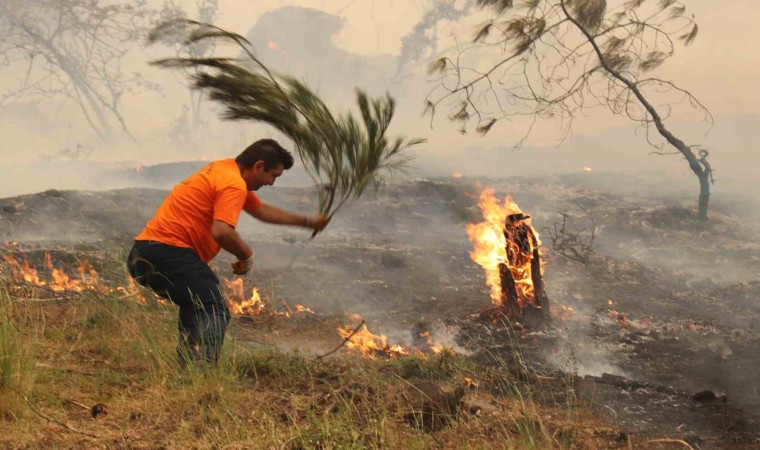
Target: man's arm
(272, 214)
(230, 240)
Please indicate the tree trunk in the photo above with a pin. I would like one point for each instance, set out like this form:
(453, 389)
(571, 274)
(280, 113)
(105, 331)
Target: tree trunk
(531, 306)
(700, 167)
(704, 194)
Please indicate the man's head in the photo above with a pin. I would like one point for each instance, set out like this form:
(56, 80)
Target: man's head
(262, 162)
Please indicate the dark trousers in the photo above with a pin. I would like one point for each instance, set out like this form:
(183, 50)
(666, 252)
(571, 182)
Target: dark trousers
(177, 274)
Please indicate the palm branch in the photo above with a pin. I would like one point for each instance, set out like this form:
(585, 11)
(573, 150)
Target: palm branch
(342, 154)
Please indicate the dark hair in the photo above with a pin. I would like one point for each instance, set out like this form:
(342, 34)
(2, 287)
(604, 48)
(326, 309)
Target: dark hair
(267, 150)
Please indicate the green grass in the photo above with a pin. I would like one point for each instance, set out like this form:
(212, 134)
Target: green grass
(17, 339)
(65, 356)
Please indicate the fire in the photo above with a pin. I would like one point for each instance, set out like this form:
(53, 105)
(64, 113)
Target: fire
(243, 305)
(139, 168)
(86, 278)
(491, 248)
(435, 348)
(132, 291)
(273, 46)
(616, 315)
(61, 281)
(25, 272)
(470, 382)
(457, 175)
(304, 309)
(237, 300)
(587, 169)
(369, 344)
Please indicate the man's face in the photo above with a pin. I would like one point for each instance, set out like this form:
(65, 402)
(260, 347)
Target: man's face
(257, 176)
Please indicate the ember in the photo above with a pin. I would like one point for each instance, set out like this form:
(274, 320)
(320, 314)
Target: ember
(435, 348)
(507, 247)
(470, 382)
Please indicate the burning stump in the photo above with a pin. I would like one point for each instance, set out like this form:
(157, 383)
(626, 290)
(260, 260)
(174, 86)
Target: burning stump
(507, 248)
(523, 296)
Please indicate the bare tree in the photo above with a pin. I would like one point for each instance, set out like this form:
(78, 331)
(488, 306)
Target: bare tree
(560, 57)
(206, 11)
(74, 49)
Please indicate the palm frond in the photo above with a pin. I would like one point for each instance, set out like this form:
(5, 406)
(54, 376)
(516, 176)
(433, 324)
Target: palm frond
(343, 154)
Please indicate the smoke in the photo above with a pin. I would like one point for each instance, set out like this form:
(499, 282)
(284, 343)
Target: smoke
(575, 351)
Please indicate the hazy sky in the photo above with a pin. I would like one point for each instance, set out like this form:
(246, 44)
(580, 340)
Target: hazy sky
(721, 68)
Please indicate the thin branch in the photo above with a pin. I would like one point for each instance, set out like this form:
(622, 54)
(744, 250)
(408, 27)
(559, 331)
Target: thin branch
(51, 419)
(345, 341)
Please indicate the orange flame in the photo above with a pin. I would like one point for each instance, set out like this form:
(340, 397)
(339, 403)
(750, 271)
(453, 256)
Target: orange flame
(240, 304)
(87, 277)
(457, 175)
(61, 281)
(369, 344)
(273, 46)
(304, 309)
(237, 300)
(139, 168)
(25, 272)
(435, 348)
(490, 247)
(132, 291)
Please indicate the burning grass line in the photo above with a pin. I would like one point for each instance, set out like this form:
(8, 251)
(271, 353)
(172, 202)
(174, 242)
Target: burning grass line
(345, 340)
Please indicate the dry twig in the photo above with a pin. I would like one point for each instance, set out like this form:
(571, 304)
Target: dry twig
(51, 419)
(348, 338)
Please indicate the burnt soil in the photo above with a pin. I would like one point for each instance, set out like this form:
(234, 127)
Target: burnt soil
(655, 329)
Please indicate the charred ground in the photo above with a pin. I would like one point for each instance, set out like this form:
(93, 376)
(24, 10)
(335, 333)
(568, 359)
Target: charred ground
(665, 307)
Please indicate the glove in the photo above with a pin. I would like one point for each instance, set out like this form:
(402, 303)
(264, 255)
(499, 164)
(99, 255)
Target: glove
(242, 266)
(317, 222)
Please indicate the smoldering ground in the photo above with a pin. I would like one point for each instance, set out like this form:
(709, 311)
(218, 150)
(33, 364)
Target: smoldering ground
(401, 257)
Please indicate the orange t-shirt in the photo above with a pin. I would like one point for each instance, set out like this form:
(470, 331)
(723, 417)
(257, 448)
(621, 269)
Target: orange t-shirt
(216, 192)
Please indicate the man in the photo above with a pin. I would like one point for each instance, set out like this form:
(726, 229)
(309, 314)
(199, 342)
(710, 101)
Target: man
(199, 216)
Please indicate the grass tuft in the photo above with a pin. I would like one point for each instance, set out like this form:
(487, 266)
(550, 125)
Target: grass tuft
(90, 348)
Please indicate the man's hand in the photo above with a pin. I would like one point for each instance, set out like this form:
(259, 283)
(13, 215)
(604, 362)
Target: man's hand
(242, 266)
(317, 222)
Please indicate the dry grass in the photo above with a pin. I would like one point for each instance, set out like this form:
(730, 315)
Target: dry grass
(59, 359)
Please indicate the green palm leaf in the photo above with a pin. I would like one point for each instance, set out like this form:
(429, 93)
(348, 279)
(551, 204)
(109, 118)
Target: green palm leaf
(343, 155)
